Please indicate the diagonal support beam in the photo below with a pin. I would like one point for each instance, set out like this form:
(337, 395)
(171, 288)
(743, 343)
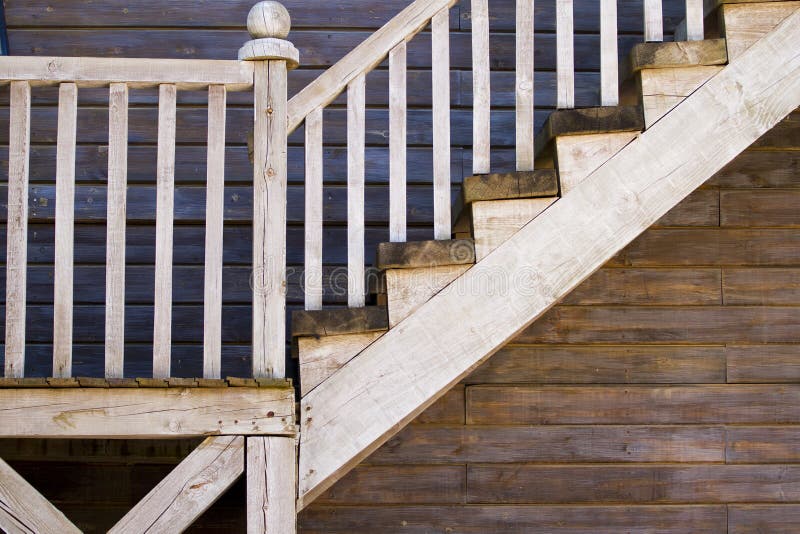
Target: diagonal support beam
(189, 490)
(393, 380)
(25, 510)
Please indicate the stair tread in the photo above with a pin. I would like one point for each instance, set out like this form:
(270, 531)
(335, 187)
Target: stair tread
(603, 119)
(417, 254)
(674, 54)
(339, 321)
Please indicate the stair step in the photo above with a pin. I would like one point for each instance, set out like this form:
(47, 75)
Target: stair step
(416, 254)
(339, 321)
(320, 357)
(596, 120)
(408, 289)
(501, 186)
(673, 55)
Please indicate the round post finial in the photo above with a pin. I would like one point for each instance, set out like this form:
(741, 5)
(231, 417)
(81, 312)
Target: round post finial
(269, 24)
(269, 19)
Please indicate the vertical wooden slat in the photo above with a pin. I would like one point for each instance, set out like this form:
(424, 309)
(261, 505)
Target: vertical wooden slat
(215, 204)
(565, 57)
(694, 20)
(653, 25)
(115, 234)
(313, 215)
(609, 68)
(269, 221)
(165, 197)
(271, 485)
(65, 222)
(524, 85)
(17, 233)
(397, 143)
(481, 89)
(355, 191)
(440, 44)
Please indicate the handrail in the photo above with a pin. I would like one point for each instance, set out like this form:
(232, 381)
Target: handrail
(363, 58)
(186, 74)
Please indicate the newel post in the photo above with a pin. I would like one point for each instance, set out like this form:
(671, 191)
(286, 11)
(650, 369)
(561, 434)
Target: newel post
(269, 24)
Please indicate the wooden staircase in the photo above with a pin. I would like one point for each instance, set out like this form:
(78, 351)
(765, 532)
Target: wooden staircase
(523, 240)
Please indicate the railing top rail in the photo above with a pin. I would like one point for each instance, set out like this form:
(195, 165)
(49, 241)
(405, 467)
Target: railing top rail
(363, 58)
(186, 74)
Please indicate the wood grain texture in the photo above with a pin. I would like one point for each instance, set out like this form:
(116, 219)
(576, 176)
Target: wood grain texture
(417, 254)
(493, 222)
(749, 519)
(312, 223)
(146, 412)
(407, 289)
(481, 88)
(213, 261)
(675, 54)
(356, 131)
(609, 58)
(65, 227)
(653, 21)
(165, 209)
(577, 156)
(746, 24)
(664, 88)
(320, 357)
(330, 322)
(606, 364)
(190, 489)
(576, 444)
(398, 132)
(476, 519)
(440, 46)
(269, 221)
(565, 55)
(763, 363)
(23, 509)
(17, 224)
(646, 485)
(762, 444)
(271, 483)
(524, 84)
(702, 404)
(115, 229)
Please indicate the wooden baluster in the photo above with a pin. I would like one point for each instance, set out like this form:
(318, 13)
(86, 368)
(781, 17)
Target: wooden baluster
(653, 24)
(313, 220)
(524, 85)
(565, 56)
(65, 223)
(269, 24)
(165, 200)
(17, 245)
(115, 234)
(397, 143)
(609, 69)
(694, 20)
(215, 205)
(355, 192)
(440, 43)
(481, 89)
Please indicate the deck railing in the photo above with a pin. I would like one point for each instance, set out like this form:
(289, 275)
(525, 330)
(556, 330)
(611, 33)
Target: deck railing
(262, 68)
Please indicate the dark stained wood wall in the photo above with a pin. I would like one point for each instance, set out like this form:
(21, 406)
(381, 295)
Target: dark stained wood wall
(324, 32)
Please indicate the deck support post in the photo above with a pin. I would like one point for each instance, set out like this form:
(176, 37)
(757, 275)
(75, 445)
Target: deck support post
(269, 24)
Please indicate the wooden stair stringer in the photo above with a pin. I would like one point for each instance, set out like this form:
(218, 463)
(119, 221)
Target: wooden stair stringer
(402, 373)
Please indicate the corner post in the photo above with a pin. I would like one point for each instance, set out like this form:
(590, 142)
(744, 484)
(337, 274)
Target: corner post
(269, 24)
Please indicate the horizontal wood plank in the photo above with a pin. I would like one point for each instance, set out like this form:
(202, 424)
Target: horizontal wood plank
(762, 444)
(709, 404)
(763, 363)
(756, 518)
(606, 364)
(141, 413)
(551, 444)
(615, 484)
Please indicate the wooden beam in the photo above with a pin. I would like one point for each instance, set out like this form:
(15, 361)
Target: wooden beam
(25, 510)
(187, 74)
(271, 485)
(393, 380)
(140, 413)
(189, 490)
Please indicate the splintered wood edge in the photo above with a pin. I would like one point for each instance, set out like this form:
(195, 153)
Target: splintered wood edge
(339, 321)
(416, 254)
